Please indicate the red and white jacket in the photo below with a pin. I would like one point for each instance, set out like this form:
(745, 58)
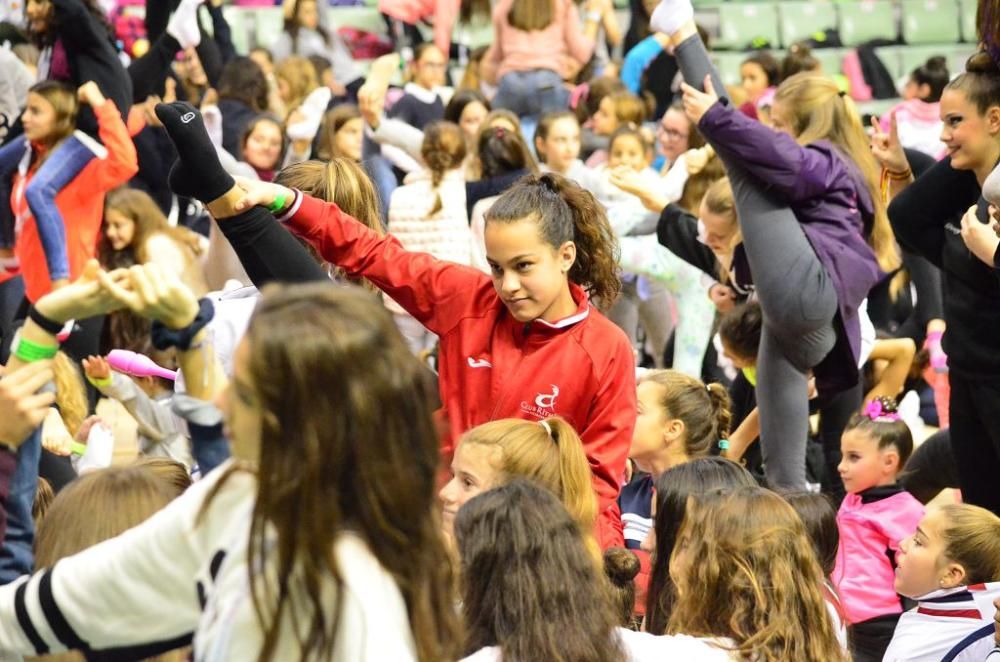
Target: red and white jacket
(491, 366)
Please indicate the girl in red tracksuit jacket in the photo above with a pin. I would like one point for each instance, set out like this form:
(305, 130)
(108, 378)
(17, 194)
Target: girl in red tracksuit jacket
(524, 342)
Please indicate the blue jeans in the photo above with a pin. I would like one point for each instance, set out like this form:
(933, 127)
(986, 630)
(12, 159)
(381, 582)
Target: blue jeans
(16, 556)
(62, 166)
(379, 170)
(531, 93)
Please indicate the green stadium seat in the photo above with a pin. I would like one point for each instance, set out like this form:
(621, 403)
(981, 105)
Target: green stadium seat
(958, 54)
(968, 10)
(864, 20)
(740, 24)
(798, 21)
(930, 21)
(891, 58)
(239, 24)
(728, 65)
(830, 59)
(268, 22)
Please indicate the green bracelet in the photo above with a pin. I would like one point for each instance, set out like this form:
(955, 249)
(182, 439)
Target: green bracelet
(101, 383)
(76, 448)
(723, 444)
(279, 203)
(29, 352)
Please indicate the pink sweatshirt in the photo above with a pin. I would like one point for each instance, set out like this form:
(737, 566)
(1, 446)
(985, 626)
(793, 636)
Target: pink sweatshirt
(517, 50)
(441, 13)
(864, 575)
(919, 125)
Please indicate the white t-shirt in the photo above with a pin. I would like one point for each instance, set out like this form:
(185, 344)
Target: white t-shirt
(642, 647)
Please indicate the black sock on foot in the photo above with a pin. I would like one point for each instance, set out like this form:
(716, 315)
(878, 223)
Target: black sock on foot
(197, 172)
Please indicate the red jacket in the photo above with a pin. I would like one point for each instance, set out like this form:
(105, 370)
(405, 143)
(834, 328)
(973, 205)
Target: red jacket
(491, 366)
(81, 203)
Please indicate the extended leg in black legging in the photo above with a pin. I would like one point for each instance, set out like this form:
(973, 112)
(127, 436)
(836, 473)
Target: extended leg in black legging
(797, 298)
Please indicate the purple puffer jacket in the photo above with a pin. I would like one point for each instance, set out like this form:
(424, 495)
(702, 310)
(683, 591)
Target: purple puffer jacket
(829, 197)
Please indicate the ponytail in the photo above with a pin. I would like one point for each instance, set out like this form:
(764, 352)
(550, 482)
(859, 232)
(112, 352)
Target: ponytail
(574, 477)
(566, 212)
(443, 149)
(549, 452)
(704, 410)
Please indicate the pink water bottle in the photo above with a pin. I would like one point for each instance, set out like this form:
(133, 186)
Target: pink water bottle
(137, 365)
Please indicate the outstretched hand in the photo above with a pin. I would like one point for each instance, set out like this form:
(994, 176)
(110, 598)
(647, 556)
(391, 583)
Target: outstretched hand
(85, 297)
(256, 192)
(97, 368)
(696, 102)
(155, 293)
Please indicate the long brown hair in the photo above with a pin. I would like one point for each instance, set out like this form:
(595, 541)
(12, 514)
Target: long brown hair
(348, 443)
(137, 206)
(674, 489)
(752, 576)
(529, 585)
(443, 150)
(566, 212)
(333, 121)
(341, 181)
(551, 455)
(818, 111)
(531, 15)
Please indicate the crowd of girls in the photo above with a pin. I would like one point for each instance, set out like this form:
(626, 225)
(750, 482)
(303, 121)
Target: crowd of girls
(306, 359)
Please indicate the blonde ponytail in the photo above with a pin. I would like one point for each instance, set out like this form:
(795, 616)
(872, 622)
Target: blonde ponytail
(819, 111)
(549, 452)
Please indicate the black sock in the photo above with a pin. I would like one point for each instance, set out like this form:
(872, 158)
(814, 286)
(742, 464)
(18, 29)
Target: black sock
(197, 172)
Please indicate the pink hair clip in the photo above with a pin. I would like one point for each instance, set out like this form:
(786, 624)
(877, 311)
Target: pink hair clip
(876, 412)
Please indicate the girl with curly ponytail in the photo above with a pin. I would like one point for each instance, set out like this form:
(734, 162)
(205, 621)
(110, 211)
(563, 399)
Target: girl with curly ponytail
(521, 342)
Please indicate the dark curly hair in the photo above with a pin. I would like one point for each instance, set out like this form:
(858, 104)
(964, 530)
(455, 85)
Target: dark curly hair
(567, 212)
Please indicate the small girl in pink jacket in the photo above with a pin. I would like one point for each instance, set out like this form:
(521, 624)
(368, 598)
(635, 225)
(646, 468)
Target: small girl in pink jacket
(875, 516)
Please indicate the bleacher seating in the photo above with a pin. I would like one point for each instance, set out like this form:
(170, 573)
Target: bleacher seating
(920, 28)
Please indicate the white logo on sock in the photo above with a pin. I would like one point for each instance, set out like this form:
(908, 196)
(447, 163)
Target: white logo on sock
(187, 117)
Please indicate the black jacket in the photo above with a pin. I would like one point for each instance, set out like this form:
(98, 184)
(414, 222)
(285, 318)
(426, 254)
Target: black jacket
(926, 218)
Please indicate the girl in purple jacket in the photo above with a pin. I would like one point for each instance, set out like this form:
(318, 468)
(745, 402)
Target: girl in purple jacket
(814, 229)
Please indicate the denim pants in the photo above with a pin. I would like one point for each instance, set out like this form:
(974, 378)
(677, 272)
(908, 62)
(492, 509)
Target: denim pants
(16, 555)
(62, 166)
(531, 93)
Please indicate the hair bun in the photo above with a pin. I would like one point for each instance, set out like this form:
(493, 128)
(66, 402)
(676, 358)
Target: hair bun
(982, 63)
(621, 565)
(937, 62)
